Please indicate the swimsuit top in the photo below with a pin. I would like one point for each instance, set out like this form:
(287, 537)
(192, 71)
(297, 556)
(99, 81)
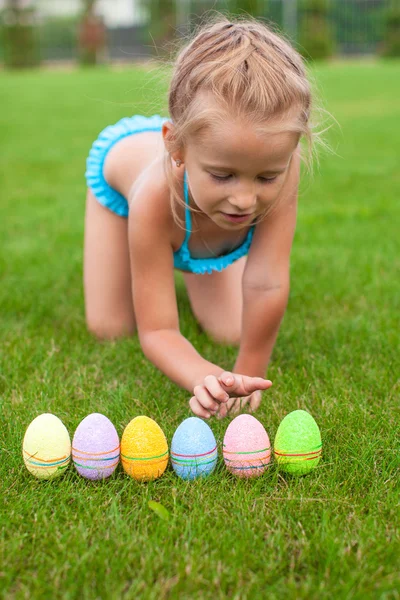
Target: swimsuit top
(184, 261)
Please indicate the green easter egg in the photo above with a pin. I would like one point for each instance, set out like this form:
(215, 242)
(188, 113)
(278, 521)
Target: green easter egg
(298, 445)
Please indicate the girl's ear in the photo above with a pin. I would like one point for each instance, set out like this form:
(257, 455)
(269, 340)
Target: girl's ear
(168, 137)
(167, 133)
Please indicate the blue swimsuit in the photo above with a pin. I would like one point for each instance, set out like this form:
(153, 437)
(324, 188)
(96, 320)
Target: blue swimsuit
(117, 203)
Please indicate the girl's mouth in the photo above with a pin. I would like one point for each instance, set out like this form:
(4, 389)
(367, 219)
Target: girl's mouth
(236, 218)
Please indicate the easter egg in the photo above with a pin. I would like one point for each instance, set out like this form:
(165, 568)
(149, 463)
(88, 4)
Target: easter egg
(46, 447)
(144, 449)
(193, 449)
(95, 447)
(298, 445)
(246, 447)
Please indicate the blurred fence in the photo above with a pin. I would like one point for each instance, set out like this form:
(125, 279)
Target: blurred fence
(357, 27)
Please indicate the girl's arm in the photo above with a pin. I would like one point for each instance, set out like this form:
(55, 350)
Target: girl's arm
(265, 281)
(150, 227)
(153, 287)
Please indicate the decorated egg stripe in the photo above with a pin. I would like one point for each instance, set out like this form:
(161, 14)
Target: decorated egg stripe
(39, 466)
(144, 457)
(316, 448)
(316, 453)
(249, 452)
(94, 459)
(241, 461)
(186, 463)
(307, 458)
(193, 464)
(97, 468)
(95, 453)
(46, 461)
(311, 457)
(158, 464)
(48, 464)
(193, 460)
(301, 456)
(152, 464)
(195, 455)
(240, 468)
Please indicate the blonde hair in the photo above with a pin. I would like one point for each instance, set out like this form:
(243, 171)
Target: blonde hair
(254, 75)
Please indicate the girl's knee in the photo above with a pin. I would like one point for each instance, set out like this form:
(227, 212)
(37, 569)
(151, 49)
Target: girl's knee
(110, 329)
(230, 336)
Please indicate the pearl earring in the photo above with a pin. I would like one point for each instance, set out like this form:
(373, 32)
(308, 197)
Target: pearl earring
(178, 163)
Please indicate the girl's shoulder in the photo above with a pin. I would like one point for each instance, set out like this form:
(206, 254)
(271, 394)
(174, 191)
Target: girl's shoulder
(129, 157)
(149, 198)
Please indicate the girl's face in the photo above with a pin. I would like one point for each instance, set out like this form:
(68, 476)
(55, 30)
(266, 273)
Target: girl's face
(234, 175)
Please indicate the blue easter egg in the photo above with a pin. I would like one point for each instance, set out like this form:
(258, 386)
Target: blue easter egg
(193, 449)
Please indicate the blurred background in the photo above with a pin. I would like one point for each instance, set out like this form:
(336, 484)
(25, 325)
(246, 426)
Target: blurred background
(91, 32)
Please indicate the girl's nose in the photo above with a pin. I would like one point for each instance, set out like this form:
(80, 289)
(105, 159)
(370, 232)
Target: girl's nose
(244, 203)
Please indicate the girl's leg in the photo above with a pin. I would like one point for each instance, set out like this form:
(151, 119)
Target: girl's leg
(107, 278)
(217, 302)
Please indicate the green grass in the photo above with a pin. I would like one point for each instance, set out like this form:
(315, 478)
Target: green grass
(332, 534)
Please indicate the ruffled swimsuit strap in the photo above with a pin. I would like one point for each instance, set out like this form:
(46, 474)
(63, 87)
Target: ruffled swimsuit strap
(104, 193)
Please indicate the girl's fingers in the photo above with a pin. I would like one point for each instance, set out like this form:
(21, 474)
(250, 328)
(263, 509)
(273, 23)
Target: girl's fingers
(198, 409)
(242, 385)
(225, 408)
(215, 389)
(228, 380)
(230, 403)
(223, 411)
(238, 405)
(252, 384)
(205, 398)
(255, 401)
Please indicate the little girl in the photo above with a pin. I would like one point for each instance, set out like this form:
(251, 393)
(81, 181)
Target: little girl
(211, 191)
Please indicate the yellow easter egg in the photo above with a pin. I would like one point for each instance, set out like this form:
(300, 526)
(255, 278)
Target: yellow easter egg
(144, 449)
(46, 448)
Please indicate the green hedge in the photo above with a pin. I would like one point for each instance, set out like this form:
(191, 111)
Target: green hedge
(316, 40)
(391, 47)
(58, 37)
(27, 45)
(20, 46)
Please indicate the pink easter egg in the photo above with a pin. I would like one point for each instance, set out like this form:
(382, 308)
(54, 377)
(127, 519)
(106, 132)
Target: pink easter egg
(95, 447)
(246, 447)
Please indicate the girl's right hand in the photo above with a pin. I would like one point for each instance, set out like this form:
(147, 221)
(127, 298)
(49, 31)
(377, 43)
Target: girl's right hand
(215, 391)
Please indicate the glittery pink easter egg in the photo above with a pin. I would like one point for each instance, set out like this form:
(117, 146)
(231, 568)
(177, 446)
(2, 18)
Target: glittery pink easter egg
(95, 447)
(246, 447)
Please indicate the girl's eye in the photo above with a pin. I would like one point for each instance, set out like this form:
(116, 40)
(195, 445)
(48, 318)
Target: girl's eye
(217, 178)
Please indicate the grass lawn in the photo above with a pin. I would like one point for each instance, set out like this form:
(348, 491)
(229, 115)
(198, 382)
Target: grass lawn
(331, 534)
